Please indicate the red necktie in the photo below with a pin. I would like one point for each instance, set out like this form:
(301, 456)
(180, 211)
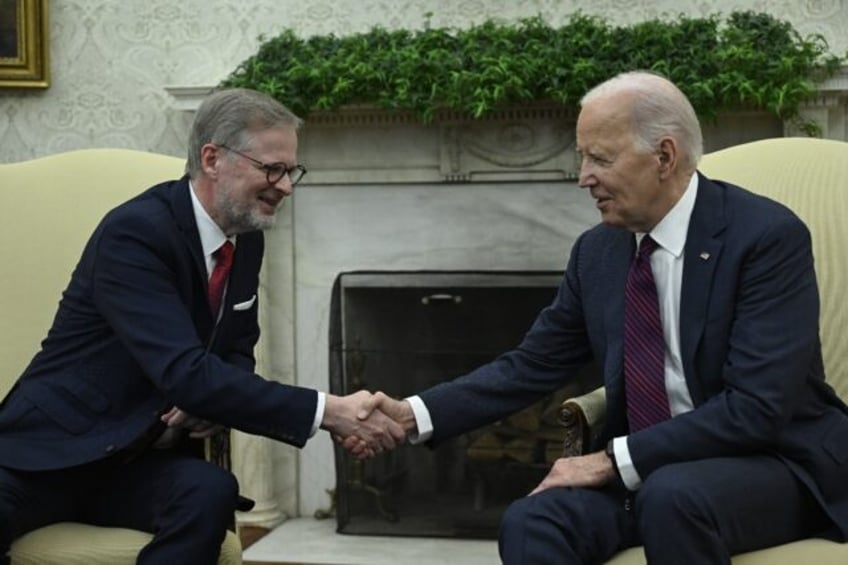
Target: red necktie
(223, 263)
(644, 344)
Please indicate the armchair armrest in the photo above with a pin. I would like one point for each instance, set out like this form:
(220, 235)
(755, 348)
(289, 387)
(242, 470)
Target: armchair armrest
(582, 417)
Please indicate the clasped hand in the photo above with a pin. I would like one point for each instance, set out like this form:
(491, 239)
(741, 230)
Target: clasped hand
(198, 428)
(362, 424)
(366, 424)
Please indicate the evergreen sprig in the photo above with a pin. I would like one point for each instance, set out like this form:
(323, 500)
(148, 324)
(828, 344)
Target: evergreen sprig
(749, 60)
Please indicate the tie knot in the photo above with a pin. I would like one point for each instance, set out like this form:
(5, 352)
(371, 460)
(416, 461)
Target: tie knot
(647, 246)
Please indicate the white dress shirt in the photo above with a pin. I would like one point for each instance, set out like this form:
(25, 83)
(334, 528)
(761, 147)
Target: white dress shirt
(667, 266)
(211, 238)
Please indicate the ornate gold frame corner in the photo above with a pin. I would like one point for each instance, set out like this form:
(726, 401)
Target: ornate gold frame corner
(25, 59)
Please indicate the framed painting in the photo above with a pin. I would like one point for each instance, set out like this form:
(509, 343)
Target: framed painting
(24, 50)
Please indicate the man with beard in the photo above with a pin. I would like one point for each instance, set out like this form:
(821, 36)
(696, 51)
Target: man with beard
(151, 351)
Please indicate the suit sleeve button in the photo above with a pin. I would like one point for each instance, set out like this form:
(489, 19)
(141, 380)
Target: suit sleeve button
(110, 448)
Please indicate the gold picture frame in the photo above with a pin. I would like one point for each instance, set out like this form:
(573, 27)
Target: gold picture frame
(24, 45)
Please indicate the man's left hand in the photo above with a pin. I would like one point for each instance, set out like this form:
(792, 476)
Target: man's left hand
(197, 427)
(591, 470)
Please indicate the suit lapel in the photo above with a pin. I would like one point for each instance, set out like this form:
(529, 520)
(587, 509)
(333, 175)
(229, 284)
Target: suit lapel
(619, 255)
(701, 255)
(184, 215)
(180, 201)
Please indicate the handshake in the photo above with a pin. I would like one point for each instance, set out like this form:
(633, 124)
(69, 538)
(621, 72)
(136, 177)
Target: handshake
(366, 424)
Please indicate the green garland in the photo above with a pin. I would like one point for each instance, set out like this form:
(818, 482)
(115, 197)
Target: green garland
(751, 60)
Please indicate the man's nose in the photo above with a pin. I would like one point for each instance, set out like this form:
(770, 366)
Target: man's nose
(284, 185)
(586, 179)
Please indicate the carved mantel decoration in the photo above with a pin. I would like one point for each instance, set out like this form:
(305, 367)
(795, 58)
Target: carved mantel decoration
(528, 144)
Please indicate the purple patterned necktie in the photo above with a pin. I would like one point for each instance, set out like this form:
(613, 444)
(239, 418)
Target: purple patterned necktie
(644, 344)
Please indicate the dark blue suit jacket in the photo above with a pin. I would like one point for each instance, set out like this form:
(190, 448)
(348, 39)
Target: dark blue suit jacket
(749, 344)
(134, 335)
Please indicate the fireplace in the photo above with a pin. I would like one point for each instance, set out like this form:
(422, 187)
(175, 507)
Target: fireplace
(401, 332)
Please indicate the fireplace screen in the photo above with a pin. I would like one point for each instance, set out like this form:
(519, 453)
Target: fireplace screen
(401, 332)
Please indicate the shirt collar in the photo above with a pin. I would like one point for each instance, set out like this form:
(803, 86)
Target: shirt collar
(670, 233)
(211, 236)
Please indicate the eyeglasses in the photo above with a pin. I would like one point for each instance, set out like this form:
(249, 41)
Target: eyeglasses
(274, 171)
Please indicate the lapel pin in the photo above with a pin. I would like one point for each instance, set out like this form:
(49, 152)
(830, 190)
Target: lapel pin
(704, 255)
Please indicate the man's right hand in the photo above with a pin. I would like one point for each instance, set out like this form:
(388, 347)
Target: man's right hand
(398, 410)
(363, 436)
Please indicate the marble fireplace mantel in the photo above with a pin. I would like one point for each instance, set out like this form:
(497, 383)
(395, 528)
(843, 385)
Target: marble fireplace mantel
(385, 191)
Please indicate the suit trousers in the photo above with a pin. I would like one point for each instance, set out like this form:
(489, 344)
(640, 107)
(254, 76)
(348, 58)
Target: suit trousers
(697, 512)
(187, 503)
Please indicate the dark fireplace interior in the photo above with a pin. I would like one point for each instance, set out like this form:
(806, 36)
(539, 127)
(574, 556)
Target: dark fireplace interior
(401, 332)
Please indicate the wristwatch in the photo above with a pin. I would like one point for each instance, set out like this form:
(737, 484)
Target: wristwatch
(611, 454)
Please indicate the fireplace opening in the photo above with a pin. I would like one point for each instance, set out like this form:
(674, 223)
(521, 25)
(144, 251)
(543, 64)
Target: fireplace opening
(401, 332)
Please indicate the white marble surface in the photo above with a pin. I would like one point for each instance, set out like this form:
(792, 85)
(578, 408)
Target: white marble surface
(308, 541)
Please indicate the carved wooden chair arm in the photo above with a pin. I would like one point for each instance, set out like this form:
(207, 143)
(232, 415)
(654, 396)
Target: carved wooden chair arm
(582, 416)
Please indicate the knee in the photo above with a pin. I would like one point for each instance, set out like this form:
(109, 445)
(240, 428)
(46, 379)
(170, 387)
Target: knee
(515, 513)
(527, 515)
(512, 535)
(545, 528)
(669, 496)
(211, 490)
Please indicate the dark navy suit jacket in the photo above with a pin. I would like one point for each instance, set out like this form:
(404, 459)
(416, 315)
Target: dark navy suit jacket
(134, 335)
(749, 343)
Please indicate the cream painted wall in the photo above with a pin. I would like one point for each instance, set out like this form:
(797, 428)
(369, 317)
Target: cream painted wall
(111, 59)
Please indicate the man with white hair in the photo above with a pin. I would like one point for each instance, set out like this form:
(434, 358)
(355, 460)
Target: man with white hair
(698, 301)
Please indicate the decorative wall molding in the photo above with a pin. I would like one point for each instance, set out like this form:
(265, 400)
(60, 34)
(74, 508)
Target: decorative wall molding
(188, 98)
(836, 85)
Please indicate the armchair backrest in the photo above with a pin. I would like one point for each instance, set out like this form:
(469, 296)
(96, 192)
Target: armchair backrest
(810, 176)
(48, 209)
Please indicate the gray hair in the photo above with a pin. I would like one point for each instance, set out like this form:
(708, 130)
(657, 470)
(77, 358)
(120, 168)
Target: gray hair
(228, 117)
(659, 109)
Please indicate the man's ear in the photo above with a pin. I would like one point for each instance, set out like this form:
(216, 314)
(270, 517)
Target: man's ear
(667, 156)
(209, 158)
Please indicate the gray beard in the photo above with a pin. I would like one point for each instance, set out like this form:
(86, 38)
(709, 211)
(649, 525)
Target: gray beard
(238, 217)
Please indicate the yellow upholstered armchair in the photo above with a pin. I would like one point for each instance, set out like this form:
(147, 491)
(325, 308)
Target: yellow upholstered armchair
(56, 202)
(811, 177)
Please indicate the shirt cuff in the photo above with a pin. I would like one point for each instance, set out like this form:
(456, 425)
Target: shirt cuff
(319, 412)
(626, 469)
(422, 420)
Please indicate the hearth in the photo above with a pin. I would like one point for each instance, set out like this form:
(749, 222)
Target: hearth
(401, 332)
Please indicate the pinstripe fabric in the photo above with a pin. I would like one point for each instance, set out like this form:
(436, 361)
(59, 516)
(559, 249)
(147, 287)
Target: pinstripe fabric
(644, 345)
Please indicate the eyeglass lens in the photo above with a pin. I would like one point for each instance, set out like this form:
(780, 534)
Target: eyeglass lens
(275, 172)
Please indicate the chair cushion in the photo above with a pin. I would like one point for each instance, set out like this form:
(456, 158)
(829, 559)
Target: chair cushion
(70, 543)
(817, 551)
